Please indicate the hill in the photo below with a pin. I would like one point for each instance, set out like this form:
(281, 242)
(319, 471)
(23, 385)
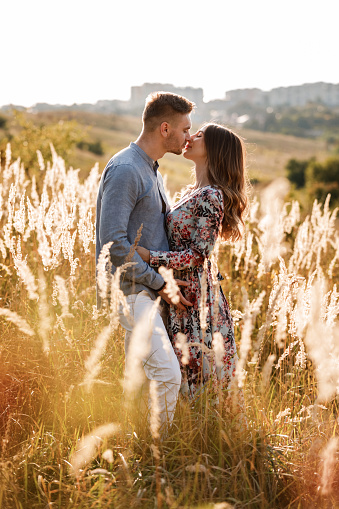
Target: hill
(268, 153)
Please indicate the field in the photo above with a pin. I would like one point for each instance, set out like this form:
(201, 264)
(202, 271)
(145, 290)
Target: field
(71, 438)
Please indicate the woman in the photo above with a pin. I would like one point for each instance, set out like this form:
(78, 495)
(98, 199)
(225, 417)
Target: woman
(214, 206)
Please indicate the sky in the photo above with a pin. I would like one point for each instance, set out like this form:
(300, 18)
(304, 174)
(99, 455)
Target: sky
(74, 51)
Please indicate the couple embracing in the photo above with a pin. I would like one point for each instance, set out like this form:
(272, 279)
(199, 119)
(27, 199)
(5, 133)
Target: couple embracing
(182, 238)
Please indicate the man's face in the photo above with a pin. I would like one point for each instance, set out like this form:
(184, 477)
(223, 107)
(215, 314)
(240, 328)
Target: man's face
(179, 134)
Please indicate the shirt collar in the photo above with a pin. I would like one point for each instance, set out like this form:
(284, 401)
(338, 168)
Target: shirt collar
(154, 164)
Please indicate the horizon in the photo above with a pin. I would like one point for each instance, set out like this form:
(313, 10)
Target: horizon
(176, 86)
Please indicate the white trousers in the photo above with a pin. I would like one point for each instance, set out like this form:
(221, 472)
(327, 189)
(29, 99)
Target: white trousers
(153, 351)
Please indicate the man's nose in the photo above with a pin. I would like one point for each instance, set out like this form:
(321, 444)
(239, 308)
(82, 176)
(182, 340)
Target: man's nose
(188, 137)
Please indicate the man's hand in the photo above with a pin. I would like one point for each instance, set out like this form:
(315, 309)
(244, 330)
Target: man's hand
(183, 302)
(145, 255)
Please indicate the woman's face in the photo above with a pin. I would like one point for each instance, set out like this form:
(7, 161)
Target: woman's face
(195, 149)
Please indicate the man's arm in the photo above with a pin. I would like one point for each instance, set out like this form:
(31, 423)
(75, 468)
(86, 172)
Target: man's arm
(120, 193)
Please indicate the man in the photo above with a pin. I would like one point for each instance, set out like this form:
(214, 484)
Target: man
(131, 193)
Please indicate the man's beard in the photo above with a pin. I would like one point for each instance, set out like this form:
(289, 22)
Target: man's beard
(173, 146)
(176, 151)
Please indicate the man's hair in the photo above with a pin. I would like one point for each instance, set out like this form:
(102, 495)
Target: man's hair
(164, 107)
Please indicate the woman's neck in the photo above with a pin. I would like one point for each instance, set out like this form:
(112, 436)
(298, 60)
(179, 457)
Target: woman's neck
(201, 176)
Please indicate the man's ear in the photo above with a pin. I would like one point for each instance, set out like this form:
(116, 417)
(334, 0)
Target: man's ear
(164, 129)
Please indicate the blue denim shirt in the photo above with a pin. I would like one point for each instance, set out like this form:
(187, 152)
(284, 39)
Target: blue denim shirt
(131, 193)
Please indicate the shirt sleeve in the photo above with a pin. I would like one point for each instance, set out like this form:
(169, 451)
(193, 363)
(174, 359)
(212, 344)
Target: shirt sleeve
(208, 214)
(121, 189)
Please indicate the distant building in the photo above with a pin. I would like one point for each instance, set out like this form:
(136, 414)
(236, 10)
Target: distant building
(300, 95)
(139, 93)
(253, 96)
(325, 93)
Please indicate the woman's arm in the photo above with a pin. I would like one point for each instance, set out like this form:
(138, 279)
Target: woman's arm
(208, 213)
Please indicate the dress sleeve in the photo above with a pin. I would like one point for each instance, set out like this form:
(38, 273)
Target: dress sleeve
(208, 213)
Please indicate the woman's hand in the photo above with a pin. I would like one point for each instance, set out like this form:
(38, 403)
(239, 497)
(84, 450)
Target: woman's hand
(143, 253)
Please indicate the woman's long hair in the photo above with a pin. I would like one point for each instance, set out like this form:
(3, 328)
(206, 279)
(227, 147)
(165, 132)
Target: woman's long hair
(226, 170)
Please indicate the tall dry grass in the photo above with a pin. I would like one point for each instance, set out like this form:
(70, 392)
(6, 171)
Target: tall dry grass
(68, 437)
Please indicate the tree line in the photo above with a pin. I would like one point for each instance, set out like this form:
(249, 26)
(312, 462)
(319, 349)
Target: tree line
(318, 179)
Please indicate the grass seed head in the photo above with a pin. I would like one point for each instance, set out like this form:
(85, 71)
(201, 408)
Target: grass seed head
(87, 447)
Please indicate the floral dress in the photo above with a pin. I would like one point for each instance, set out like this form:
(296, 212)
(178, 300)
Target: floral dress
(193, 226)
